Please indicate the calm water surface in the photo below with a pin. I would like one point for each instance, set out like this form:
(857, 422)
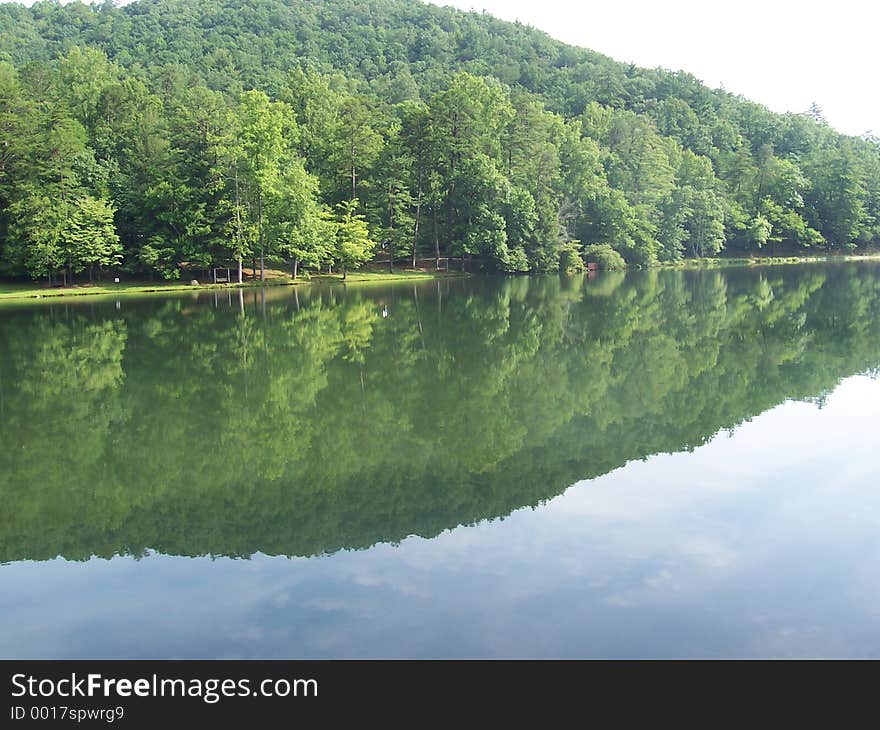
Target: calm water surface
(659, 464)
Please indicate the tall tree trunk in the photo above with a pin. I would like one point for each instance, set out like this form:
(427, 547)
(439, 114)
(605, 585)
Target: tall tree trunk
(391, 229)
(295, 265)
(262, 240)
(436, 241)
(450, 196)
(238, 231)
(418, 218)
(353, 168)
(450, 216)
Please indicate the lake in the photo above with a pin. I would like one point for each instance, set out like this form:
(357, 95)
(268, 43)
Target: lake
(655, 464)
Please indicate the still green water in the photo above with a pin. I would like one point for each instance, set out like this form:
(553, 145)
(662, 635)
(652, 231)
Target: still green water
(653, 464)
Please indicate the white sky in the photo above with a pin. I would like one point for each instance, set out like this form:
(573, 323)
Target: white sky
(782, 53)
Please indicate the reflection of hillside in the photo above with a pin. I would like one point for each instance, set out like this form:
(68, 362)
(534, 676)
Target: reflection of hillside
(310, 424)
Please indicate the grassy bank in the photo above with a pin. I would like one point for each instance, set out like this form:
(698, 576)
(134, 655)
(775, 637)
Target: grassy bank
(38, 290)
(32, 290)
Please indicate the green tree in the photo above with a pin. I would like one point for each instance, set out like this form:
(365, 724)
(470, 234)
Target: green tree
(90, 237)
(353, 243)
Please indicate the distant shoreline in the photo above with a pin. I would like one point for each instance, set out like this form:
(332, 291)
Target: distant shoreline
(34, 291)
(723, 262)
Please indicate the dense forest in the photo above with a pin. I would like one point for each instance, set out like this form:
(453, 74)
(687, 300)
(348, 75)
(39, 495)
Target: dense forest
(171, 135)
(474, 397)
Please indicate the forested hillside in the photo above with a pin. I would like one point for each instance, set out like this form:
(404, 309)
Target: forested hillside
(175, 133)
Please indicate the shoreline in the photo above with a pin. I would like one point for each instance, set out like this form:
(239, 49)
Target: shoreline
(722, 262)
(26, 291)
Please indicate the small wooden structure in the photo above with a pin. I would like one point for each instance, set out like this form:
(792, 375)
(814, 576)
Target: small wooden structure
(592, 266)
(438, 264)
(219, 278)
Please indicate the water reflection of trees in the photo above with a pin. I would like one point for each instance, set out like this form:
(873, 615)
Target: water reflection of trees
(302, 425)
